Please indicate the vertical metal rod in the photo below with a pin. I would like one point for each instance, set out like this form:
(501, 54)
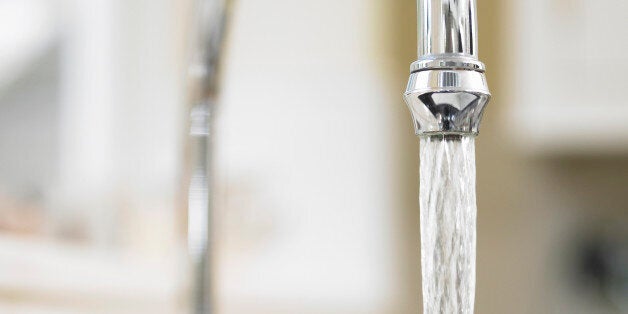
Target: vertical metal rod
(447, 27)
(200, 209)
(203, 75)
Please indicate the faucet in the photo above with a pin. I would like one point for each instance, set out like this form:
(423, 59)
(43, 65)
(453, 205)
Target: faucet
(208, 32)
(447, 90)
(447, 94)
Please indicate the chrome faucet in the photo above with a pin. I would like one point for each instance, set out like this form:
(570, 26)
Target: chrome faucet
(206, 43)
(447, 90)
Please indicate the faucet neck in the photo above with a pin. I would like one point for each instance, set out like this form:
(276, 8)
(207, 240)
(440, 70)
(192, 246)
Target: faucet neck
(446, 28)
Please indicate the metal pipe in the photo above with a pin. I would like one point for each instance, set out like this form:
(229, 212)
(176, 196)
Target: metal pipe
(206, 43)
(447, 27)
(447, 90)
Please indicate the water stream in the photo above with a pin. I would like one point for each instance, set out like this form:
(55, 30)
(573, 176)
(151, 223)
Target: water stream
(448, 224)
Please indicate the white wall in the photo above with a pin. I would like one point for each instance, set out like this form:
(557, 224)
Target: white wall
(305, 161)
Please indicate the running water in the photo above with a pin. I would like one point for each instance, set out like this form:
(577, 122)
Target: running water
(448, 220)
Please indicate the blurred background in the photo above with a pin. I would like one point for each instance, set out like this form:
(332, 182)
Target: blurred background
(315, 165)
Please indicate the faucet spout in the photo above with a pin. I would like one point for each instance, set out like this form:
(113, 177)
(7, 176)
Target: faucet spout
(447, 27)
(447, 90)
